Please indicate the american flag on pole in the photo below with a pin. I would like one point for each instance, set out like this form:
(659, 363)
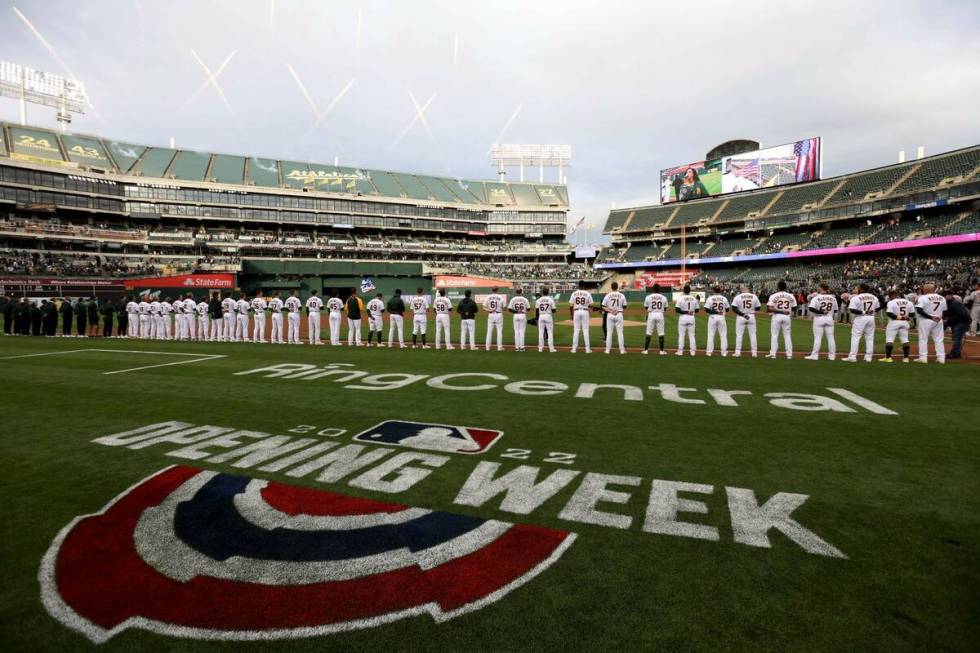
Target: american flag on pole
(807, 156)
(578, 224)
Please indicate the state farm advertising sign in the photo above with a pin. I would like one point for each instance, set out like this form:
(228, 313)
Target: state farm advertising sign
(189, 281)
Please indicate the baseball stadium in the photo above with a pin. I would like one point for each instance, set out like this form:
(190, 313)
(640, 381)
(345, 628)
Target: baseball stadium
(259, 400)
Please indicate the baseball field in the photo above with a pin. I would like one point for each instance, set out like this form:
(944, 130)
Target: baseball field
(219, 496)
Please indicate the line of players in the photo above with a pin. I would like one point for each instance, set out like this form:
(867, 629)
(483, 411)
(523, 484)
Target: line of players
(928, 310)
(228, 320)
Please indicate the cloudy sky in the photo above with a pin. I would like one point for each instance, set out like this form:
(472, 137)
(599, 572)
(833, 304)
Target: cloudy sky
(632, 86)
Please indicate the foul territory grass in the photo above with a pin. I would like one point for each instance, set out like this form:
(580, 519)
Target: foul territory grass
(896, 494)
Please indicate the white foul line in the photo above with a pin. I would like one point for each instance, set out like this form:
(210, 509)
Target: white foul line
(198, 357)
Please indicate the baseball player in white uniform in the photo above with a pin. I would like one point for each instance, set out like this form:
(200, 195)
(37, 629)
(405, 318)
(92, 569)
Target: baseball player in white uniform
(258, 306)
(898, 310)
(781, 305)
(744, 305)
(419, 305)
(717, 306)
(656, 306)
(313, 307)
(376, 324)
(190, 316)
(519, 306)
(242, 307)
(144, 319)
(823, 307)
(580, 306)
(863, 306)
(156, 324)
(179, 327)
(335, 311)
(276, 306)
(545, 307)
(972, 302)
(166, 308)
(930, 308)
(443, 307)
(132, 321)
(686, 306)
(494, 304)
(613, 305)
(229, 308)
(186, 314)
(293, 306)
(203, 321)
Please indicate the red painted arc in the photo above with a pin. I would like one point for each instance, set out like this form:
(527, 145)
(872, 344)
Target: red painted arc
(103, 579)
(304, 501)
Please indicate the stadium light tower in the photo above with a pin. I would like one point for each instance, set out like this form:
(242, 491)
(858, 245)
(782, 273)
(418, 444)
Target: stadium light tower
(543, 156)
(47, 89)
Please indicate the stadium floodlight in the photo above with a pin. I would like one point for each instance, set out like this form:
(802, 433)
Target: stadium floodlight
(47, 89)
(543, 156)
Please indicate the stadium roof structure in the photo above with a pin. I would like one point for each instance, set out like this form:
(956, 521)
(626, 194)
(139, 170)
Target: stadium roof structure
(170, 165)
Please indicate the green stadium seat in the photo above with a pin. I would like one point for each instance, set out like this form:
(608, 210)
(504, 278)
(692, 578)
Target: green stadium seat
(550, 195)
(386, 184)
(154, 162)
(616, 219)
(690, 213)
(498, 193)
(263, 172)
(227, 169)
(86, 151)
(190, 166)
(438, 189)
(412, 186)
(740, 206)
(125, 154)
(856, 187)
(934, 170)
(27, 143)
(525, 195)
(648, 218)
(476, 189)
(794, 198)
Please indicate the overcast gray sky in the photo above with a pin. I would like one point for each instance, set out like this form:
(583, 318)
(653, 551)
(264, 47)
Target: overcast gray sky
(633, 86)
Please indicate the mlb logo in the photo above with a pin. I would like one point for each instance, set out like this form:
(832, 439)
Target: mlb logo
(431, 437)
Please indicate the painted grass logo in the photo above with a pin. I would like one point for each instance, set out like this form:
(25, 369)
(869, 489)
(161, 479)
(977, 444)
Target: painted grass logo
(431, 437)
(207, 555)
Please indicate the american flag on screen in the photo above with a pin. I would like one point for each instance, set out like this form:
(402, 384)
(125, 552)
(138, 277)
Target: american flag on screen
(807, 155)
(746, 168)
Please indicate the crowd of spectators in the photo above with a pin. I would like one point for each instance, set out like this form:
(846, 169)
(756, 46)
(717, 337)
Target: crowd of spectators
(67, 264)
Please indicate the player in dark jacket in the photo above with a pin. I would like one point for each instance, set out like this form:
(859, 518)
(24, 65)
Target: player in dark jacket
(108, 313)
(81, 317)
(49, 318)
(8, 314)
(957, 318)
(67, 315)
(93, 316)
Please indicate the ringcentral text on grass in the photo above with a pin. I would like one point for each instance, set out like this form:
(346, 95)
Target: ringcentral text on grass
(842, 401)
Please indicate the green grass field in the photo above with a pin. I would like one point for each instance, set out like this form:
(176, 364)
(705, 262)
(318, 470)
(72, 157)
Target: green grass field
(893, 491)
